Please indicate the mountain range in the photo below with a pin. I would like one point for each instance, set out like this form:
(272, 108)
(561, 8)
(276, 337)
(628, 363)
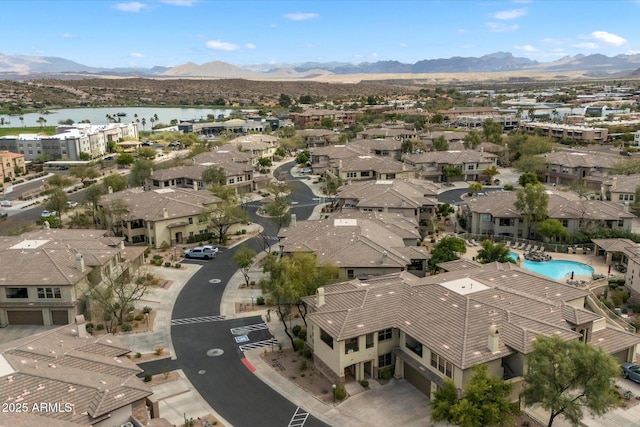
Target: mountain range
(595, 65)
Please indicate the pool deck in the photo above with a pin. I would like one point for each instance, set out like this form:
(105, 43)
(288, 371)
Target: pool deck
(597, 262)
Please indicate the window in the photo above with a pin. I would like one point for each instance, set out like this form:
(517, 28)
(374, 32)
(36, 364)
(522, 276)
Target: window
(351, 345)
(486, 218)
(365, 173)
(441, 364)
(386, 334)
(350, 274)
(190, 220)
(49, 293)
(384, 360)
(17, 293)
(239, 179)
(565, 222)
(326, 338)
(351, 174)
(506, 222)
(470, 167)
(232, 180)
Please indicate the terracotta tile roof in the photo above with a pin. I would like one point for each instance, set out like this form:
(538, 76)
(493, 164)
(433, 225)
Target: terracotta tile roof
(50, 256)
(373, 163)
(58, 366)
(574, 159)
(151, 205)
(613, 340)
(451, 157)
(397, 193)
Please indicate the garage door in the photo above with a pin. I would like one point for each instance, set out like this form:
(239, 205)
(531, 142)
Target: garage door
(59, 317)
(417, 379)
(620, 356)
(25, 317)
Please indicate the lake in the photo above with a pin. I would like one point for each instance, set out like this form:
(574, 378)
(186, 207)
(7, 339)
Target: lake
(98, 116)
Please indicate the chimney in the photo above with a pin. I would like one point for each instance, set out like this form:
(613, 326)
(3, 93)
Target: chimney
(110, 189)
(384, 257)
(79, 262)
(165, 214)
(340, 164)
(293, 221)
(195, 185)
(320, 297)
(494, 339)
(81, 325)
(122, 244)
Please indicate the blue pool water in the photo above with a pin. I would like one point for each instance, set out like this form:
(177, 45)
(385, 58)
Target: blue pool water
(557, 269)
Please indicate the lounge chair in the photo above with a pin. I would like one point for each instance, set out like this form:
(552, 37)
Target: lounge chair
(541, 249)
(535, 248)
(507, 244)
(520, 246)
(468, 243)
(473, 242)
(528, 248)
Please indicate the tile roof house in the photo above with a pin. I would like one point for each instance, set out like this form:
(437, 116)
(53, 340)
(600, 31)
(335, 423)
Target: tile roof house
(317, 137)
(620, 188)
(624, 255)
(412, 198)
(495, 213)
(64, 377)
(236, 164)
(10, 163)
(256, 145)
(313, 117)
(164, 216)
(43, 278)
(387, 147)
(359, 243)
(567, 167)
(398, 134)
(436, 327)
(430, 165)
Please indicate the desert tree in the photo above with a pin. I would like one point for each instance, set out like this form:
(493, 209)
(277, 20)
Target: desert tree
(532, 202)
(567, 377)
(244, 258)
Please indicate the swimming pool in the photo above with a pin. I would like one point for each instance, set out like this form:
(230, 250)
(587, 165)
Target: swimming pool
(556, 269)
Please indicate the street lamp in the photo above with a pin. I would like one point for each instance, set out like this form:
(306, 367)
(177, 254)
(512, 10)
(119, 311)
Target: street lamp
(147, 316)
(251, 303)
(333, 386)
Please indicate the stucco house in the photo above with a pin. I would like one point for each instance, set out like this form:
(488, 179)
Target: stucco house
(495, 213)
(43, 280)
(359, 243)
(11, 165)
(167, 216)
(567, 167)
(73, 379)
(436, 327)
(430, 165)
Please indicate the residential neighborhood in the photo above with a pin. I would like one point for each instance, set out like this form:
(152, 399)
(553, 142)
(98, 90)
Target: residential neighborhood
(359, 249)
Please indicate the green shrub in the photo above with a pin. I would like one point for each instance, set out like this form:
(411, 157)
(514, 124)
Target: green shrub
(340, 392)
(364, 383)
(177, 265)
(157, 256)
(147, 252)
(129, 318)
(147, 378)
(138, 355)
(243, 231)
(508, 187)
(384, 374)
(89, 325)
(127, 327)
(307, 352)
(139, 317)
(608, 303)
(303, 365)
(146, 309)
(303, 335)
(298, 344)
(100, 326)
(296, 330)
(167, 264)
(260, 300)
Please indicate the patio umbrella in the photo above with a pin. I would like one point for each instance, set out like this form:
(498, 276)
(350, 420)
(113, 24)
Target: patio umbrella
(572, 275)
(609, 272)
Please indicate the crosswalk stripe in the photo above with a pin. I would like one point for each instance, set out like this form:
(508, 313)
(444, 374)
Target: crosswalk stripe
(243, 330)
(299, 418)
(257, 344)
(191, 320)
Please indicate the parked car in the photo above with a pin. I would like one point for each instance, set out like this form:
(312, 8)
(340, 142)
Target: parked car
(199, 252)
(631, 371)
(47, 214)
(4, 215)
(305, 170)
(72, 204)
(5, 203)
(211, 248)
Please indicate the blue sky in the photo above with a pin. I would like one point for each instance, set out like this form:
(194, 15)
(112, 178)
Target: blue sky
(145, 33)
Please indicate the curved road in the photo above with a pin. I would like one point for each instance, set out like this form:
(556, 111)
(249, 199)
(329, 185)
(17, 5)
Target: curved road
(206, 349)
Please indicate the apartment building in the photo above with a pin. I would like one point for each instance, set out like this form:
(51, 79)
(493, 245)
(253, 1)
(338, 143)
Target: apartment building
(567, 167)
(426, 329)
(311, 117)
(47, 279)
(569, 132)
(167, 216)
(11, 165)
(471, 163)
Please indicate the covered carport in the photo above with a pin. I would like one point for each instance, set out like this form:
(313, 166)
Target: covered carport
(421, 377)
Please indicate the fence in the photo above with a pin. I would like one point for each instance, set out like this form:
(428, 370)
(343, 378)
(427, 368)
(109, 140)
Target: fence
(510, 241)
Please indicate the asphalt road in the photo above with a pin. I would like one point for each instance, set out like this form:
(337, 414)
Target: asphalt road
(206, 348)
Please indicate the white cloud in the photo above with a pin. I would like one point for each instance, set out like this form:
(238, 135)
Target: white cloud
(498, 27)
(300, 16)
(510, 14)
(250, 46)
(133, 6)
(310, 45)
(527, 48)
(373, 55)
(404, 45)
(220, 45)
(608, 38)
(68, 36)
(179, 2)
(136, 55)
(586, 45)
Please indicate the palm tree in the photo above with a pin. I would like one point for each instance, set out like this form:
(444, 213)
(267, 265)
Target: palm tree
(532, 114)
(155, 117)
(41, 120)
(144, 122)
(1, 121)
(152, 120)
(22, 120)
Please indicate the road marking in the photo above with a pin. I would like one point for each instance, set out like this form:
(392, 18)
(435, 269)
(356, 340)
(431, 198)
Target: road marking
(192, 320)
(248, 364)
(244, 330)
(299, 418)
(257, 344)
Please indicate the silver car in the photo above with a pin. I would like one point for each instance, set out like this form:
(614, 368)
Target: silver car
(199, 252)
